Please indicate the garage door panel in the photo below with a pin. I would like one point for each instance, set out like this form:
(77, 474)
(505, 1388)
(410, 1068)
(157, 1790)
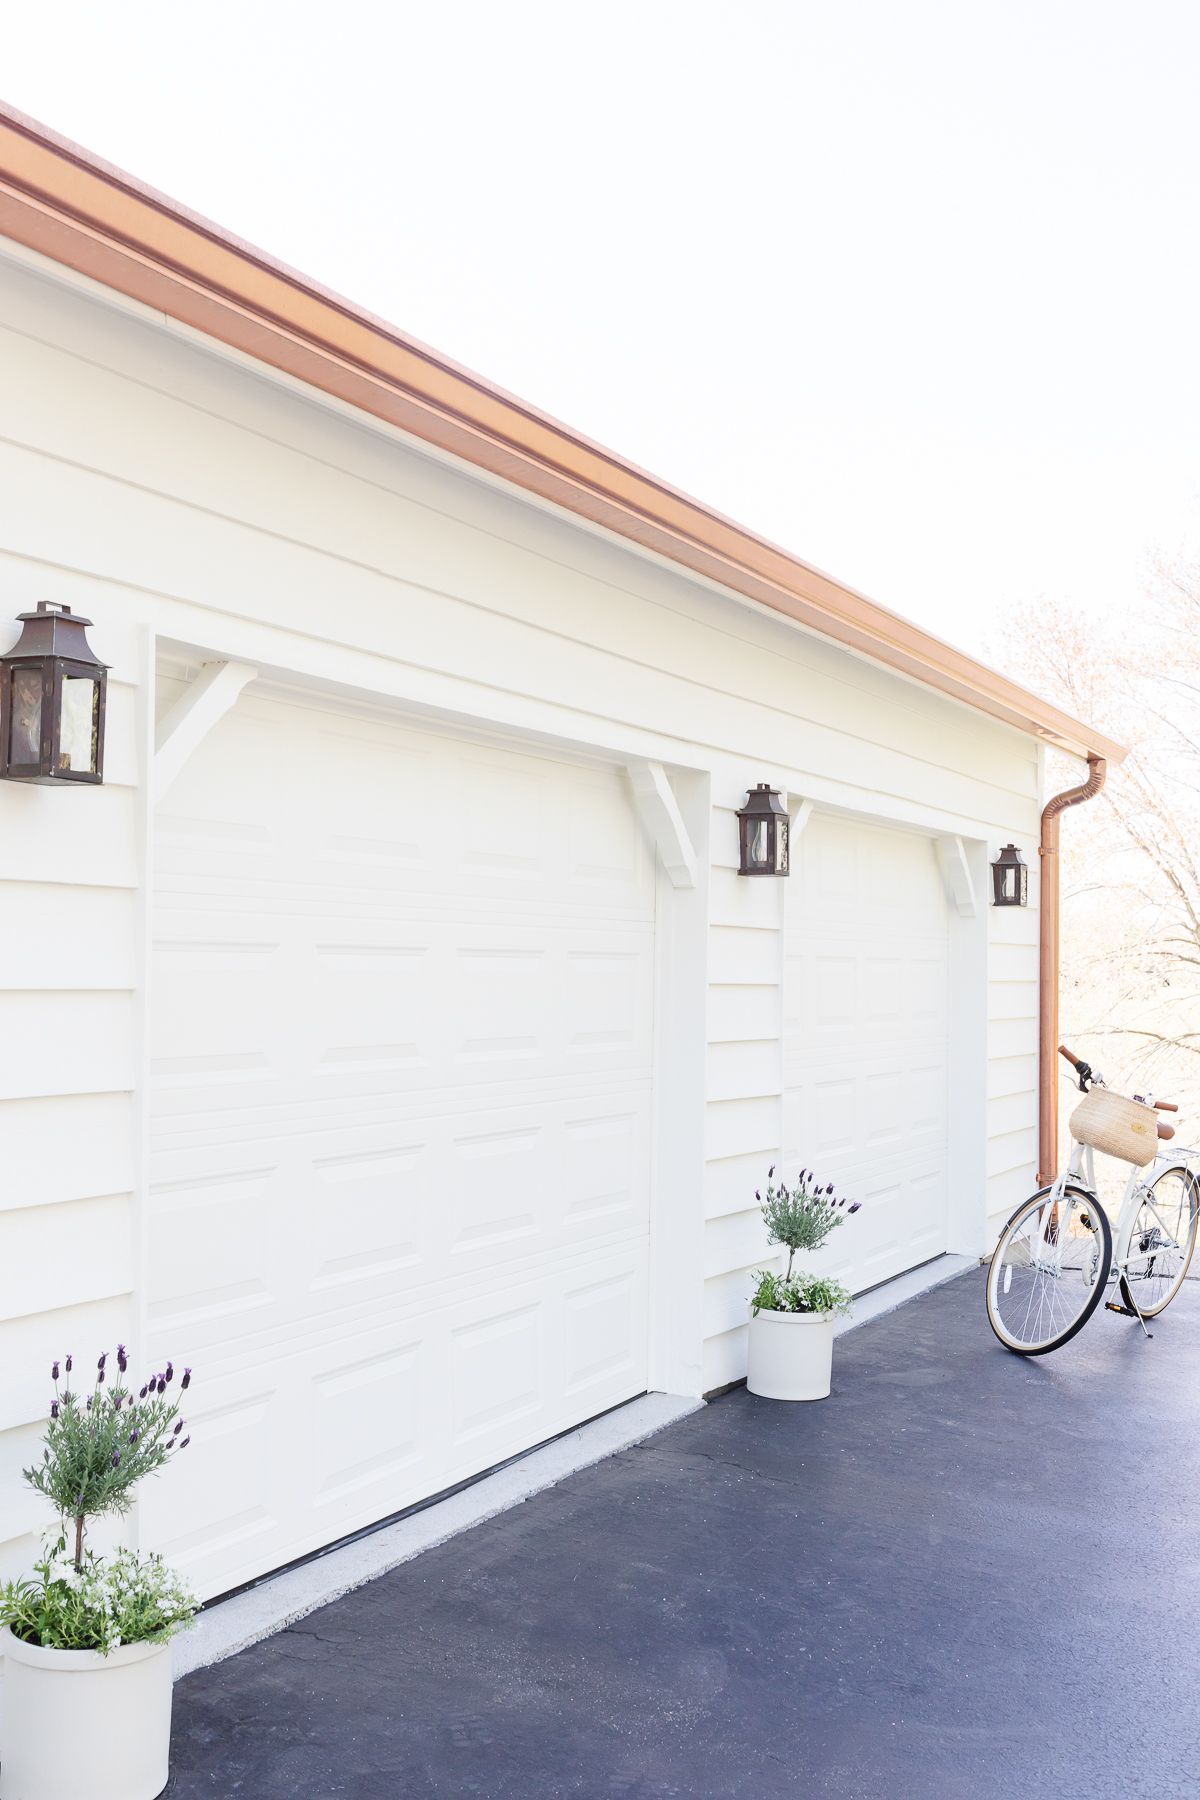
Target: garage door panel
(321, 1436)
(472, 1193)
(401, 1116)
(865, 1039)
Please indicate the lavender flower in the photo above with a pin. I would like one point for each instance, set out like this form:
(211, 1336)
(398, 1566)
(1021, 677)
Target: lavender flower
(184, 1443)
(116, 1459)
(162, 1384)
(54, 1409)
(54, 1373)
(134, 1436)
(187, 1378)
(122, 1359)
(178, 1428)
(141, 1394)
(68, 1362)
(855, 1205)
(102, 1361)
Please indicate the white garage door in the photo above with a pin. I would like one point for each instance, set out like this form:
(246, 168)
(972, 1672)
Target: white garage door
(400, 1133)
(865, 1057)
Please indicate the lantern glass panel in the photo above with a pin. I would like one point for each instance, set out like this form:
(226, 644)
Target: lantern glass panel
(781, 845)
(25, 729)
(756, 848)
(78, 724)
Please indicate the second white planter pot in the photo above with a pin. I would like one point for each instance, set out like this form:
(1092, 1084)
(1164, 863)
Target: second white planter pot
(81, 1726)
(791, 1357)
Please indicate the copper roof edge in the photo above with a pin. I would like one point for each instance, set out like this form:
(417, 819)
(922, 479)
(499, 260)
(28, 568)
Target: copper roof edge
(60, 200)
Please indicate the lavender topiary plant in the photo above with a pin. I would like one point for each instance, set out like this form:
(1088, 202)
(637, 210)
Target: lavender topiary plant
(99, 1446)
(800, 1217)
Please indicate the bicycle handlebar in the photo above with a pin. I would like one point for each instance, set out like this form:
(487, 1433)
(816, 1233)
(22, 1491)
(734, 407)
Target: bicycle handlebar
(1084, 1071)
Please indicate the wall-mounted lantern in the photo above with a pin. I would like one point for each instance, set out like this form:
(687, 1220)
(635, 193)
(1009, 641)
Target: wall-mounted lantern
(1010, 878)
(763, 831)
(52, 695)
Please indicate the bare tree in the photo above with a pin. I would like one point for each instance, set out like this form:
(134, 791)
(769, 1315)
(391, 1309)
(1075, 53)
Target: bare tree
(1131, 860)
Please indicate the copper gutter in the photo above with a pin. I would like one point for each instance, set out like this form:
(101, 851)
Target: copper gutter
(1049, 934)
(68, 205)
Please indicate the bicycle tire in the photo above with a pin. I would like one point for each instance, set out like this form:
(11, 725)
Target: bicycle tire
(1192, 1188)
(1093, 1286)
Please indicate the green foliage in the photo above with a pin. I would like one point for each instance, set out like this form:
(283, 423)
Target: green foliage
(126, 1599)
(801, 1217)
(798, 1294)
(100, 1445)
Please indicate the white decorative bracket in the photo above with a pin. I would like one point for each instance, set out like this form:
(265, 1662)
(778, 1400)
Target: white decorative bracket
(184, 727)
(956, 873)
(660, 814)
(800, 812)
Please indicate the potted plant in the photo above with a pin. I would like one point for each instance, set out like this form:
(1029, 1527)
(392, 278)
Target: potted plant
(792, 1315)
(86, 1643)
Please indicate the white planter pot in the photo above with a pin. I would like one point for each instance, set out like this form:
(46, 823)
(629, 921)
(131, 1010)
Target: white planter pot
(81, 1726)
(791, 1358)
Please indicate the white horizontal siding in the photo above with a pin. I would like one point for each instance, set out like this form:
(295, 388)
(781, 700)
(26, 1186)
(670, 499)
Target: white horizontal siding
(1012, 1104)
(157, 487)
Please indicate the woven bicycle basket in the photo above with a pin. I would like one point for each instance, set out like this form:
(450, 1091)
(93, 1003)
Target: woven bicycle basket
(1119, 1127)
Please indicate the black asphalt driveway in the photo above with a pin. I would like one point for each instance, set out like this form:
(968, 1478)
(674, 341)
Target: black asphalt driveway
(963, 1575)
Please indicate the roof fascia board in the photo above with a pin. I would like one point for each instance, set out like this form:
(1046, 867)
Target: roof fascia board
(63, 203)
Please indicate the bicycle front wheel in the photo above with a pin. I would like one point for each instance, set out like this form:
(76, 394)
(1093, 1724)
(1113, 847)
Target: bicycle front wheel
(1048, 1271)
(1161, 1242)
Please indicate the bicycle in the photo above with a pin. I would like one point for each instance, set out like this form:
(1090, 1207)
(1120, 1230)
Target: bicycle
(1056, 1258)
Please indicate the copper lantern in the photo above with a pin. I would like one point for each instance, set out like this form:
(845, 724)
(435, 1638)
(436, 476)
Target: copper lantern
(763, 831)
(1010, 878)
(52, 694)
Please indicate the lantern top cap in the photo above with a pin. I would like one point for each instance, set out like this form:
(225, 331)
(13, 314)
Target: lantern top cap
(53, 629)
(1010, 854)
(761, 801)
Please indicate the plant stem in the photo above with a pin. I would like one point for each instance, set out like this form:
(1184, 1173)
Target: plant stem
(79, 1541)
(791, 1255)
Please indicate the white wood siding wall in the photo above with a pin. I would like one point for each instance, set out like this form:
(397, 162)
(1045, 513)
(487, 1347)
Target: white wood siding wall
(162, 487)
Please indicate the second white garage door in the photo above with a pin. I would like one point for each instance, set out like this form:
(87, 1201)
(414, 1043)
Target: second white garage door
(400, 1135)
(865, 1051)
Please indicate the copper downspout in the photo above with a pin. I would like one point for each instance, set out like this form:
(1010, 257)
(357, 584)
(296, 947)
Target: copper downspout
(1048, 966)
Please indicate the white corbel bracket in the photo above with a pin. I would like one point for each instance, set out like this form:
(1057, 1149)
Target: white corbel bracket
(956, 874)
(185, 726)
(799, 813)
(659, 812)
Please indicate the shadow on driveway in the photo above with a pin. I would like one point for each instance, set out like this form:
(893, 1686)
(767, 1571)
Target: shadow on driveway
(964, 1575)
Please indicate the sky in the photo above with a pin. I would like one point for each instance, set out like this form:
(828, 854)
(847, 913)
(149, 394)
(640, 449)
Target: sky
(909, 288)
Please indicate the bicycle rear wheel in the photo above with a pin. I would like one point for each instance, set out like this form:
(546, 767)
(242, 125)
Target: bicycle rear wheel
(1162, 1241)
(1048, 1271)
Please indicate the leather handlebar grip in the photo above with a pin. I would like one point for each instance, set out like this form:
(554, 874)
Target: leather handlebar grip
(1070, 1055)
(1165, 1131)
(1166, 1106)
